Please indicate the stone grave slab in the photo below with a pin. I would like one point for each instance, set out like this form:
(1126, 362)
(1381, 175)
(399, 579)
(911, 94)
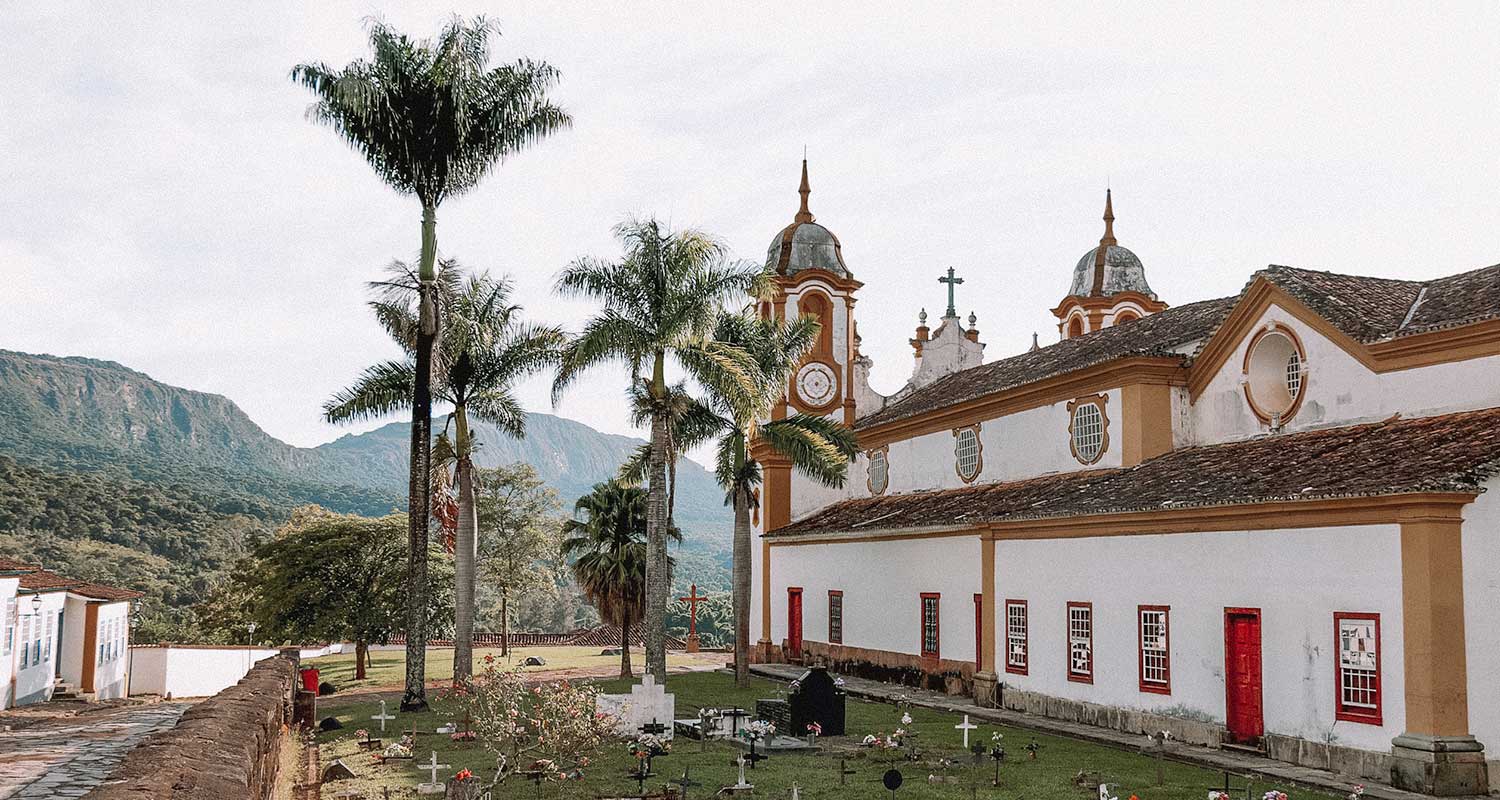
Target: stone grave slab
(647, 703)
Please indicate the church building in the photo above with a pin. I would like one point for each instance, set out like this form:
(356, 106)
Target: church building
(1268, 521)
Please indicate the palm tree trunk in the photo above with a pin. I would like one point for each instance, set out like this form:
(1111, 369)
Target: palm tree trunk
(742, 587)
(361, 658)
(420, 480)
(465, 555)
(625, 669)
(657, 580)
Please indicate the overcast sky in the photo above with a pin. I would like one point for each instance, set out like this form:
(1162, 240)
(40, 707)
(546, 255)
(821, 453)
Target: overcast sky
(167, 205)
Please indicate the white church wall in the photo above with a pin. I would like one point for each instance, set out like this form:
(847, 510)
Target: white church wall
(1297, 578)
(1340, 390)
(1481, 549)
(878, 615)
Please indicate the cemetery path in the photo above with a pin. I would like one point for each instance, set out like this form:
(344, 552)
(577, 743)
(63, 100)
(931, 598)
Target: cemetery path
(68, 756)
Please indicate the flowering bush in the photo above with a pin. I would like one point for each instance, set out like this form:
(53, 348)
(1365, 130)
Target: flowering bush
(555, 723)
(1274, 795)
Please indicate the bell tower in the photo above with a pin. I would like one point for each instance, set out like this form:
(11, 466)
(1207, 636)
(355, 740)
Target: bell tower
(1109, 286)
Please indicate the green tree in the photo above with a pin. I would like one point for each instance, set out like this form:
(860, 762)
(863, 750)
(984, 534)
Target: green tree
(607, 540)
(817, 446)
(519, 539)
(485, 350)
(432, 118)
(338, 577)
(659, 306)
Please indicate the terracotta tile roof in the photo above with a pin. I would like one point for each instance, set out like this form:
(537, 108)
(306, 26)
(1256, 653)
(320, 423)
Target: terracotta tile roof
(41, 580)
(15, 565)
(1159, 334)
(1451, 452)
(99, 591)
(1371, 309)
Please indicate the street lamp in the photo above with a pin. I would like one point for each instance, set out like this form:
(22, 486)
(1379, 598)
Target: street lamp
(251, 627)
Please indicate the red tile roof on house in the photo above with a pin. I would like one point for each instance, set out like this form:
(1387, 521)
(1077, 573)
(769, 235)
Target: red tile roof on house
(98, 591)
(1446, 453)
(40, 580)
(14, 565)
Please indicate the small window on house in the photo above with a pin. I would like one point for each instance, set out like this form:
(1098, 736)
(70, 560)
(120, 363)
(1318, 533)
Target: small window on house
(1155, 652)
(1358, 641)
(967, 453)
(1016, 637)
(1294, 374)
(1081, 642)
(835, 617)
(1088, 428)
(879, 472)
(930, 631)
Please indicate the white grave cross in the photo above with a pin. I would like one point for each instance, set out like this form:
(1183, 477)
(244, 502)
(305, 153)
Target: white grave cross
(742, 784)
(433, 767)
(382, 716)
(966, 726)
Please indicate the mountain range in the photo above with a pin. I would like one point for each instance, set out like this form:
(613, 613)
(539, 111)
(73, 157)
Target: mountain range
(99, 455)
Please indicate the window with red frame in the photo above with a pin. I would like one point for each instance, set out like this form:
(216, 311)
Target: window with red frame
(1357, 642)
(1081, 642)
(835, 616)
(930, 631)
(1155, 649)
(1017, 637)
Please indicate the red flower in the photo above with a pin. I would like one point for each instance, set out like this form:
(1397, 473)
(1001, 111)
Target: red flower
(463, 775)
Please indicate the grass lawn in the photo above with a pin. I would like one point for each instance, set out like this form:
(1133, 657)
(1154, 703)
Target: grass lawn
(1048, 777)
(388, 668)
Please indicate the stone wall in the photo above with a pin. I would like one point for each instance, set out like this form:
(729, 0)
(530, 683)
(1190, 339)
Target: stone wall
(224, 748)
(939, 675)
(1352, 762)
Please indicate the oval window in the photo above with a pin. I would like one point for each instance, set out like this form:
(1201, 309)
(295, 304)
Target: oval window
(966, 453)
(1275, 375)
(879, 472)
(1088, 432)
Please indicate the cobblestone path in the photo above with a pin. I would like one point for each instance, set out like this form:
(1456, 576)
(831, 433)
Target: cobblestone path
(67, 757)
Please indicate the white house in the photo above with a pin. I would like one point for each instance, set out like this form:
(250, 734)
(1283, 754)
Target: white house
(61, 636)
(1266, 514)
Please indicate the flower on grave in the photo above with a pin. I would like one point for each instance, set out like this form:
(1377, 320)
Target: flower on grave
(362, 733)
(756, 730)
(463, 736)
(815, 729)
(1135, 797)
(794, 686)
(1359, 790)
(905, 719)
(1217, 795)
(1274, 795)
(463, 775)
(870, 739)
(996, 737)
(838, 681)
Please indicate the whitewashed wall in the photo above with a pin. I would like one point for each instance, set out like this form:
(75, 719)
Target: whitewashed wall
(34, 683)
(882, 584)
(114, 636)
(1481, 543)
(8, 588)
(1339, 389)
(1017, 446)
(72, 644)
(1297, 578)
(200, 671)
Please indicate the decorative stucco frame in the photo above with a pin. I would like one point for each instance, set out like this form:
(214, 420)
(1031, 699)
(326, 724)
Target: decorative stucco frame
(1101, 401)
(1274, 329)
(885, 453)
(979, 443)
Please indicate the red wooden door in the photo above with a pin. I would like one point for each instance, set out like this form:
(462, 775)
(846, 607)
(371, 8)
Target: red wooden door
(978, 632)
(794, 622)
(1242, 676)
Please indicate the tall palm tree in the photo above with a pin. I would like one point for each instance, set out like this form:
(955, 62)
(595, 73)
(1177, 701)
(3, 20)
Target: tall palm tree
(607, 539)
(485, 350)
(432, 118)
(659, 306)
(817, 446)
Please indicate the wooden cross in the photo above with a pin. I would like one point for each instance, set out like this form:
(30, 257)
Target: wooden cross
(693, 600)
(952, 282)
(684, 783)
(654, 728)
(844, 771)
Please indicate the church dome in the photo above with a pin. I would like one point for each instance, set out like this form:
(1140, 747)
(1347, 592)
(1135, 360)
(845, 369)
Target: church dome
(1122, 272)
(805, 244)
(1109, 268)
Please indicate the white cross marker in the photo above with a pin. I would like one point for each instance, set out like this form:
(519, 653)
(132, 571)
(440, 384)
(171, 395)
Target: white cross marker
(433, 766)
(742, 784)
(382, 716)
(966, 726)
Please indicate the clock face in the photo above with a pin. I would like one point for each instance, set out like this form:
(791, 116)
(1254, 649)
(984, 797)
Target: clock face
(816, 384)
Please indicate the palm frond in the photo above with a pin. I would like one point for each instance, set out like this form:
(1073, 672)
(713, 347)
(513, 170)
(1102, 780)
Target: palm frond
(381, 389)
(817, 446)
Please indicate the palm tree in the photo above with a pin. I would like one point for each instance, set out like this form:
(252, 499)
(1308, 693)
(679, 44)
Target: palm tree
(609, 545)
(659, 307)
(432, 118)
(485, 350)
(817, 446)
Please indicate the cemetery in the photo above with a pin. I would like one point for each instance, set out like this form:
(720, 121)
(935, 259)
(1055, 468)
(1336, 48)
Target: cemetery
(694, 738)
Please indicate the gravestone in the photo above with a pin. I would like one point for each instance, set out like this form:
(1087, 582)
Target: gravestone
(337, 771)
(534, 661)
(815, 698)
(432, 786)
(647, 703)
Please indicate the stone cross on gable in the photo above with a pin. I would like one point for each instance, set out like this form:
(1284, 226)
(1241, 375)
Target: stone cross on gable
(952, 282)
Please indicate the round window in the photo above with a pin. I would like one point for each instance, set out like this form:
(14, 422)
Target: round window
(966, 453)
(1275, 375)
(879, 472)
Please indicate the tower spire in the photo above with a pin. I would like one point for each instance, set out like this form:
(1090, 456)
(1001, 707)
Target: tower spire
(1109, 220)
(803, 214)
